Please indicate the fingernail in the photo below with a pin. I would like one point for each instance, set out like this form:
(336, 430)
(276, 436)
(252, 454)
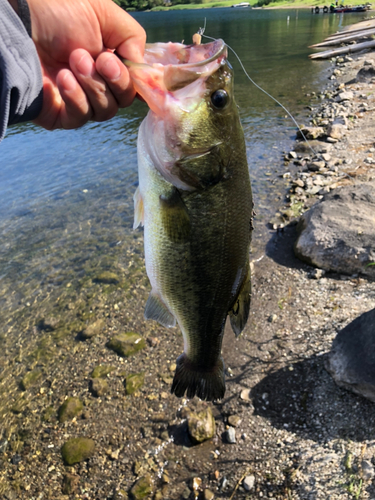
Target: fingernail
(111, 69)
(69, 82)
(85, 65)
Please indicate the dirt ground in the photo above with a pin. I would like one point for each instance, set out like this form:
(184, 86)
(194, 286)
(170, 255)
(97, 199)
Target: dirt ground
(297, 435)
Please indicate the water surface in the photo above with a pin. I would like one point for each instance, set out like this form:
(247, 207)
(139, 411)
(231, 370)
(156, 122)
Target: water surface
(66, 204)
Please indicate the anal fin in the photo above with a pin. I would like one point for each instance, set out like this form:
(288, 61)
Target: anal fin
(157, 310)
(240, 311)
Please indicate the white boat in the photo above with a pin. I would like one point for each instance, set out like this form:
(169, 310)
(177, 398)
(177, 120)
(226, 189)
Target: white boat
(243, 4)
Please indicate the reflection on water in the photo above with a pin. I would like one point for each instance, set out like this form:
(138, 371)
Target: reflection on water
(66, 197)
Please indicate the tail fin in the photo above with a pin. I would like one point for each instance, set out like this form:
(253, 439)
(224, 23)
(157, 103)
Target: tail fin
(207, 385)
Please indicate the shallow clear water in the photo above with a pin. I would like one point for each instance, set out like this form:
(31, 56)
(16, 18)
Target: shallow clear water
(66, 204)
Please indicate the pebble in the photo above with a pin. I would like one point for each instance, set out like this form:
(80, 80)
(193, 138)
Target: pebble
(368, 471)
(201, 425)
(98, 387)
(231, 435)
(71, 407)
(93, 329)
(77, 450)
(245, 395)
(3, 445)
(272, 318)
(16, 459)
(249, 482)
(317, 273)
(234, 420)
(208, 495)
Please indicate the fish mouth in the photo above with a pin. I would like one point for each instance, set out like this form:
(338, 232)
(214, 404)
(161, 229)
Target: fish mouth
(174, 75)
(177, 54)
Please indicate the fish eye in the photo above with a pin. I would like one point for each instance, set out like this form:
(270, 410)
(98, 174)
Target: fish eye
(219, 99)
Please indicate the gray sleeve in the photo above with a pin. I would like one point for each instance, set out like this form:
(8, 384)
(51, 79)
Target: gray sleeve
(21, 81)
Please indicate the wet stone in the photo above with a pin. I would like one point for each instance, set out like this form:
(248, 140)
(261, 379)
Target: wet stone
(98, 387)
(16, 459)
(201, 425)
(49, 323)
(133, 382)
(142, 488)
(48, 414)
(93, 329)
(185, 494)
(76, 450)
(101, 371)
(126, 344)
(107, 278)
(70, 484)
(3, 445)
(72, 407)
(30, 379)
(120, 495)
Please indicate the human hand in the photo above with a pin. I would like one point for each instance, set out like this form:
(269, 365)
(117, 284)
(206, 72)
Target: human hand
(82, 78)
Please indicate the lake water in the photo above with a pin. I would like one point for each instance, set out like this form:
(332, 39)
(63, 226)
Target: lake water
(66, 204)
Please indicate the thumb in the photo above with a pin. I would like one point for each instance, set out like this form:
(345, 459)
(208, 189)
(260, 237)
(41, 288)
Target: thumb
(119, 30)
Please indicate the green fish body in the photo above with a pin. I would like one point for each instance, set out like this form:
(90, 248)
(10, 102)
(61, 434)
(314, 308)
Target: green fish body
(194, 199)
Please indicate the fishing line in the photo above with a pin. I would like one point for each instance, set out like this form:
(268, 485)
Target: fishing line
(201, 33)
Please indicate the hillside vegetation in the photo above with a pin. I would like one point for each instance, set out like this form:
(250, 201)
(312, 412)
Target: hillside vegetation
(137, 5)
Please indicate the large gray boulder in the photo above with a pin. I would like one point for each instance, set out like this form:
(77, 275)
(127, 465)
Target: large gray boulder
(338, 233)
(351, 361)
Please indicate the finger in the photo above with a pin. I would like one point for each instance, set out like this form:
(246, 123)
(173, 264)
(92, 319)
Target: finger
(75, 109)
(121, 31)
(101, 99)
(116, 75)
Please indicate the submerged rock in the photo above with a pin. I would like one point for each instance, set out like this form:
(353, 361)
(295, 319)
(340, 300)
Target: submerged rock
(107, 278)
(352, 357)
(98, 387)
(30, 379)
(201, 425)
(142, 488)
(93, 329)
(102, 371)
(127, 344)
(71, 407)
(76, 450)
(133, 382)
(338, 233)
(70, 484)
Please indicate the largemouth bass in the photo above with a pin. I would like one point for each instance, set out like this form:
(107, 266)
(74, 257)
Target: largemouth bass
(194, 200)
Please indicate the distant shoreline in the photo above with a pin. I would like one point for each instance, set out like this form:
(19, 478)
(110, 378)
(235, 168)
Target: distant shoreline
(229, 3)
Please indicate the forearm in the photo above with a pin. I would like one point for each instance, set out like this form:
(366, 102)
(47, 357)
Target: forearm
(20, 71)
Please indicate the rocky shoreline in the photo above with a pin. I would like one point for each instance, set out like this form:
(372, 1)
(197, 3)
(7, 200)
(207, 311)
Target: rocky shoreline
(100, 423)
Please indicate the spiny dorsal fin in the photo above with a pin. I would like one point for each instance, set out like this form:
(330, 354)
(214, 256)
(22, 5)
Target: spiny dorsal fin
(157, 310)
(240, 311)
(139, 216)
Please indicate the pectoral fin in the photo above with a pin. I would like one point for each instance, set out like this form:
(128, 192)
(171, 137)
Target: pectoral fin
(157, 310)
(175, 217)
(240, 311)
(138, 209)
